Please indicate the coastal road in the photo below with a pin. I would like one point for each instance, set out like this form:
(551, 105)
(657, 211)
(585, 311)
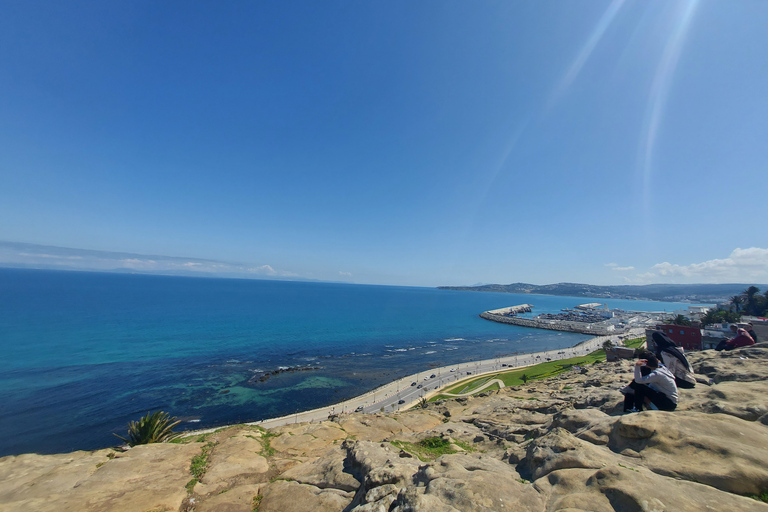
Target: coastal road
(412, 388)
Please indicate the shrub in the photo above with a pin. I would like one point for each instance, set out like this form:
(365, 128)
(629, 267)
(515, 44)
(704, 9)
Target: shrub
(156, 427)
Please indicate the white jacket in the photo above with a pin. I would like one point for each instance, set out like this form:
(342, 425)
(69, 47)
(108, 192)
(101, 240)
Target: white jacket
(677, 368)
(660, 380)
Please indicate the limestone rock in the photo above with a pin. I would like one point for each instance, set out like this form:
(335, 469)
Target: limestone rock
(326, 472)
(373, 427)
(714, 449)
(281, 496)
(143, 478)
(619, 488)
(473, 483)
(237, 499)
(306, 439)
(234, 460)
(559, 449)
(21, 476)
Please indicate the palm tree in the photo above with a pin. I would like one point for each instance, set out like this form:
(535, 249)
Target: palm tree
(156, 427)
(736, 302)
(749, 300)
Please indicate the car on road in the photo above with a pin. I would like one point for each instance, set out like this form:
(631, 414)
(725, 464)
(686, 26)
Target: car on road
(419, 386)
(453, 370)
(469, 373)
(432, 376)
(401, 402)
(503, 364)
(413, 383)
(359, 409)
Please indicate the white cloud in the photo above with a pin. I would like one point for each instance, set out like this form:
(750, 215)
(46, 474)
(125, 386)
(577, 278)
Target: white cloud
(743, 265)
(43, 256)
(51, 256)
(138, 264)
(345, 274)
(615, 266)
(264, 269)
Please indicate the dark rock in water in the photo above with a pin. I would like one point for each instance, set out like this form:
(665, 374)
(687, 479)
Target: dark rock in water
(263, 377)
(223, 391)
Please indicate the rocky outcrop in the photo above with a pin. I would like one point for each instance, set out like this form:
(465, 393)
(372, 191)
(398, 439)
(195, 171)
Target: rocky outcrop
(556, 445)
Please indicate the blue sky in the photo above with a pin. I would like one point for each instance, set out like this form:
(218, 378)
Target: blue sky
(410, 143)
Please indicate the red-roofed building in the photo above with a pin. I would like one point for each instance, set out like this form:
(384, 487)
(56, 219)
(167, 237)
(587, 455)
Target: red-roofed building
(687, 337)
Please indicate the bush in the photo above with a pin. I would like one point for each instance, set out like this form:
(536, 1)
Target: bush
(156, 427)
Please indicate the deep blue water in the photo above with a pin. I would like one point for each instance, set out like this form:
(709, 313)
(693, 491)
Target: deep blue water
(85, 353)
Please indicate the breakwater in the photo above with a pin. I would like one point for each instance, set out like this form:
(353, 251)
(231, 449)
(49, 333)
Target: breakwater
(552, 325)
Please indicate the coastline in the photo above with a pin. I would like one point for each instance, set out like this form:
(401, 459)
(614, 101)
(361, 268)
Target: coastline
(387, 396)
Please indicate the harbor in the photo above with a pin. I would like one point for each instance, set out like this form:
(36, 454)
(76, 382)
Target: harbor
(593, 318)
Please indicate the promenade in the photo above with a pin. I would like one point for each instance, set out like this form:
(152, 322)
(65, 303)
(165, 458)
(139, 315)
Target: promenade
(388, 396)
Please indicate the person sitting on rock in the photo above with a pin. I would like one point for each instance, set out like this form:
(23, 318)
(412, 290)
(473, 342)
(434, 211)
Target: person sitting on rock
(673, 358)
(751, 331)
(657, 387)
(742, 339)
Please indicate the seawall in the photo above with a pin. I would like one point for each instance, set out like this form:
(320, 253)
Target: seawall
(552, 325)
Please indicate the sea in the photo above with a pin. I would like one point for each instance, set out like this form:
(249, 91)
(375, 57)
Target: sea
(85, 353)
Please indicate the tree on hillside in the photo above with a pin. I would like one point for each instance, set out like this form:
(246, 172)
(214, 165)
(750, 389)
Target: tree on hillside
(716, 316)
(736, 302)
(749, 300)
(681, 320)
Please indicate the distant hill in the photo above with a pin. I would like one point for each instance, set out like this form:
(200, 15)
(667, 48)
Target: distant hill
(699, 293)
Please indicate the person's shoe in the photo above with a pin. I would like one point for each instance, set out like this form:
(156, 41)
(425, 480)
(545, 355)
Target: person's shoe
(631, 410)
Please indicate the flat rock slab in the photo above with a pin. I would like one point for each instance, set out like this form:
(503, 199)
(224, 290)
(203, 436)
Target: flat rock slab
(144, 478)
(620, 488)
(237, 499)
(29, 476)
(233, 461)
(282, 496)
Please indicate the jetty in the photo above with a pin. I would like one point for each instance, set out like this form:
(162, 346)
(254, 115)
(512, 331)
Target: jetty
(512, 310)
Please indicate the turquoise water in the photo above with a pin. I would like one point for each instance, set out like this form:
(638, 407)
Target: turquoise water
(84, 353)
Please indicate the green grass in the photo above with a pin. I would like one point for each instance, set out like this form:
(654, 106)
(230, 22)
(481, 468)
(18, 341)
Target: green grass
(634, 343)
(536, 372)
(431, 448)
(761, 497)
(199, 465)
(190, 485)
(266, 439)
